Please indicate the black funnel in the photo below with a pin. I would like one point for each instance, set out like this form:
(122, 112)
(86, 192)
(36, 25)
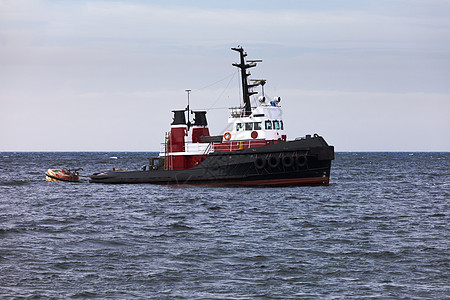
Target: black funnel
(200, 118)
(178, 117)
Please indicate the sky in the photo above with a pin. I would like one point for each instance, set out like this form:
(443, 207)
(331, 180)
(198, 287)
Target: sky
(105, 75)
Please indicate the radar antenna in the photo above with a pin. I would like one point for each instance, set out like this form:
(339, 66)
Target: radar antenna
(260, 82)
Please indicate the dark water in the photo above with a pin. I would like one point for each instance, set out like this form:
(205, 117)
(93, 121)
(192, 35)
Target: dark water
(380, 230)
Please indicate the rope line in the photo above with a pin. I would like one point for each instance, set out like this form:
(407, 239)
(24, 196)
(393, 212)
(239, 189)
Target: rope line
(220, 80)
(223, 91)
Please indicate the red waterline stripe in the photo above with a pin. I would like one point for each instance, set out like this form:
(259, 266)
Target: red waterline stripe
(289, 181)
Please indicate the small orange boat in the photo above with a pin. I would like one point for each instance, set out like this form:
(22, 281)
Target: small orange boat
(62, 175)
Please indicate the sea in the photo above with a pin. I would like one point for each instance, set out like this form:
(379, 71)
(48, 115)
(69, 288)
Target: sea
(380, 230)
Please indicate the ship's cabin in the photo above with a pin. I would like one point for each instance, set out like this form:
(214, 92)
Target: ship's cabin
(264, 123)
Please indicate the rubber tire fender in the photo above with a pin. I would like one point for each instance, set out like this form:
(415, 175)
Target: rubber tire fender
(273, 161)
(302, 160)
(260, 163)
(287, 161)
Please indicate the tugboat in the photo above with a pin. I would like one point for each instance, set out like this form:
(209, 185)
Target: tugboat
(254, 149)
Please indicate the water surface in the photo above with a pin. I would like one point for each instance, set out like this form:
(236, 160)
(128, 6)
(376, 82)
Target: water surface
(380, 230)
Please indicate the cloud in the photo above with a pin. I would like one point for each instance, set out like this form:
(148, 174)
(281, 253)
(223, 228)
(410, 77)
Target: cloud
(370, 121)
(131, 61)
(132, 24)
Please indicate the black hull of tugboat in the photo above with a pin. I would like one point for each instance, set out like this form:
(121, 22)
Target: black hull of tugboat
(300, 162)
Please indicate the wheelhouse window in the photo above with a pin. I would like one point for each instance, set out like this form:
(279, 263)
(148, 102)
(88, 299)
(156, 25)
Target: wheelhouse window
(239, 126)
(282, 126)
(276, 125)
(257, 125)
(268, 125)
(248, 126)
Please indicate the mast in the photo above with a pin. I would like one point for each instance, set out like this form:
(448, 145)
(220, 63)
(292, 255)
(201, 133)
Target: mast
(188, 91)
(246, 88)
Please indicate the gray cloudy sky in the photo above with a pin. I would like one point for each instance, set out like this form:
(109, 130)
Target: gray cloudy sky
(105, 75)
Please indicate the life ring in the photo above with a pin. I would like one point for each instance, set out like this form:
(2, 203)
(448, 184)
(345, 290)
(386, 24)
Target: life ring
(227, 136)
(260, 163)
(254, 134)
(287, 161)
(302, 160)
(273, 161)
